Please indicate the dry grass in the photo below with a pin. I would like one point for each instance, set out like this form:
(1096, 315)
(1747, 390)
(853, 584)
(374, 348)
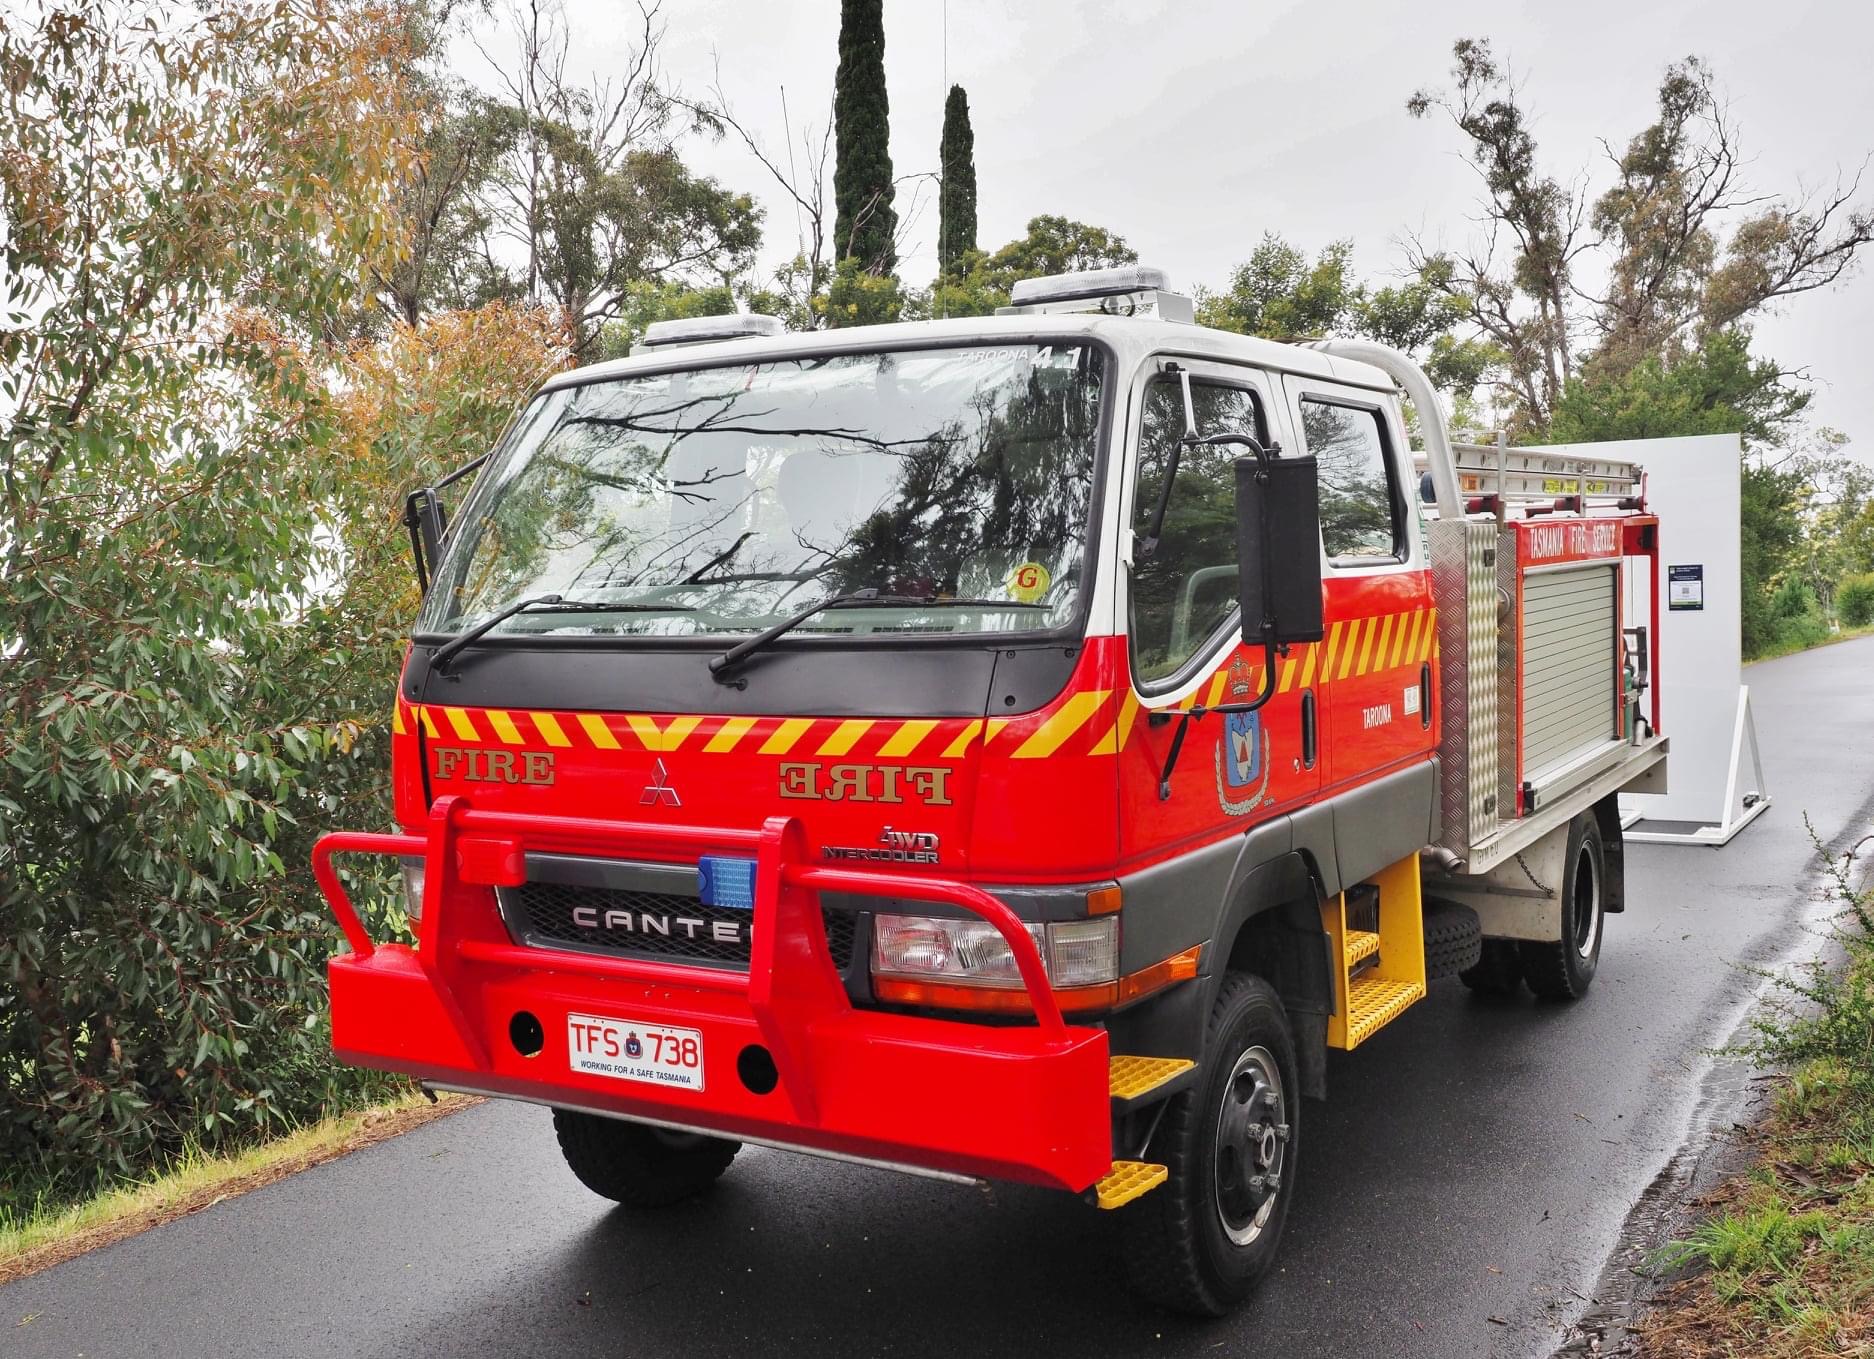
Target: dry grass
(199, 1181)
(1785, 1261)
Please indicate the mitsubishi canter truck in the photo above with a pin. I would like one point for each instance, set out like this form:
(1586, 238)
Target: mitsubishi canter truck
(1014, 748)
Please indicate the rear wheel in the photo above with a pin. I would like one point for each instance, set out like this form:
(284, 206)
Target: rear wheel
(636, 1165)
(1498, 970)
(1453, 938)
(1201, 1242)
(1564, 969)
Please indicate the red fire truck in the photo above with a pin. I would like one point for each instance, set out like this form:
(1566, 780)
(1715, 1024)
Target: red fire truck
(1007, 748)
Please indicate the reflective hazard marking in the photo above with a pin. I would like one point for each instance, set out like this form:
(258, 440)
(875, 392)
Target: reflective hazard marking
(845, 736)
(1114, 739)
(670, 736)
(964, 739)
(786, 735)
(460, 723)
(1069, 718)
(730, 732)
(549, 727)
(1348, 647)
(907, 737)
(597, 732)
(504, 727)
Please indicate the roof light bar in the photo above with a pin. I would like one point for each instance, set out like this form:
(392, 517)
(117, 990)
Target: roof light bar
(1132, 278)
(708, 330)
(1132, 290)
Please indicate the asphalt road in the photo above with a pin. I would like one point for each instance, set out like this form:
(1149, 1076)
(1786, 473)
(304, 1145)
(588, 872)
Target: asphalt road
(1460, 1191)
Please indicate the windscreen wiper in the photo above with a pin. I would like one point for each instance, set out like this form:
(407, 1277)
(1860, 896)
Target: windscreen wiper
(448, 650)
(720, 666)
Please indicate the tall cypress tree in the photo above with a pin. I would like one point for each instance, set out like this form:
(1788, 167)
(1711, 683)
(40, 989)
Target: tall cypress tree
(864, 224)
(956, 203)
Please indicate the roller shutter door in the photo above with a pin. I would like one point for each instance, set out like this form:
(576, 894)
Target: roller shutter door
(1570, 660)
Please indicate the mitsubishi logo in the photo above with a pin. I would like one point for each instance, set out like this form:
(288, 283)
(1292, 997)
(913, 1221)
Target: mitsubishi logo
(658, 792)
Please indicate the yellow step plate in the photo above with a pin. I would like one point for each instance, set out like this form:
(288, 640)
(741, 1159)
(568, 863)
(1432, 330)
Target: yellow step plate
(1130, 1077)
(1361, 945)
(1127, 1180)
(1373, 1003)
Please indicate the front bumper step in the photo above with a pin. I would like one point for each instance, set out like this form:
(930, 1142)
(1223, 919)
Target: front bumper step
(1132, 1081)
(1126, 1181)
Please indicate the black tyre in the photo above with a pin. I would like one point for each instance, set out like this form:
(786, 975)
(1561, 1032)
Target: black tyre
(1454, 940)
(1200, 1242)
(1498, 971)
(1563, 970)
(640, 1166)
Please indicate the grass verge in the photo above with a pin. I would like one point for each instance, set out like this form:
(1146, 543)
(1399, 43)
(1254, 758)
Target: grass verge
(40, 1239)
(1783, 1266)
(1789, 646)
(1785, 1263)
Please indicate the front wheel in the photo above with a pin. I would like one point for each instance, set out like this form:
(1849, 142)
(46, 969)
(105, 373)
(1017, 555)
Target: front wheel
(1200, 1243)
(636, 1165)
(1564, 969)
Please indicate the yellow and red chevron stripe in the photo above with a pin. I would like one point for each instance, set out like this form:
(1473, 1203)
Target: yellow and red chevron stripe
(1085, 722)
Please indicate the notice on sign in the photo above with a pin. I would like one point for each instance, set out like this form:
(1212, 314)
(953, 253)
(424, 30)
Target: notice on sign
(1685, 587)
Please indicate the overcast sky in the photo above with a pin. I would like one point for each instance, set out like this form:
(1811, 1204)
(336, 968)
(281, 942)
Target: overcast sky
(1192, 128)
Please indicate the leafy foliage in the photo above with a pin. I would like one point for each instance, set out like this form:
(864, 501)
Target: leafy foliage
(189, 201)
(646, 303)
(1675, 277)
(956, 202)
(1854, 600)
(866, 225)
(1051, 245)
(202, 591)
(1280, 294)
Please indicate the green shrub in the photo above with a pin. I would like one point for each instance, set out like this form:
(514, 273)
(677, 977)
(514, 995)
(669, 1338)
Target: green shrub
(1793, 599)
(1854, 600)
(1801, 632)
(1824, 1011)
(202, 597)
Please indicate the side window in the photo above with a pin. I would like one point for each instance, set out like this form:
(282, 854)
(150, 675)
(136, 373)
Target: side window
(1359, 504)
(1187, 589)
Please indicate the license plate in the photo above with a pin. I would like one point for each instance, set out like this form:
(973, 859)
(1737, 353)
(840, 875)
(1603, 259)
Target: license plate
(626, 1050)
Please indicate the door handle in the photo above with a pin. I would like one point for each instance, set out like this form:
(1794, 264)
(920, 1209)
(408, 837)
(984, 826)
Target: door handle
(1307, 728)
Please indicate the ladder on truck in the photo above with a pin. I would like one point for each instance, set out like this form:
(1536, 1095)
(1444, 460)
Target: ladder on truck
(1494, 476)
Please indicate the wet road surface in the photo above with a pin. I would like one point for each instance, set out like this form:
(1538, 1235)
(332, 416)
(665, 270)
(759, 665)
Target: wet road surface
(1460, 1189)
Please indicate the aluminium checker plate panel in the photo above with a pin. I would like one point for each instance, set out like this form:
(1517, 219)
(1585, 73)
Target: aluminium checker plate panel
(1464, 583)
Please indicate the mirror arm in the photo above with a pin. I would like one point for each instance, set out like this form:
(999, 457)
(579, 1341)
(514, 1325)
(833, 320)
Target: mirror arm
(1197, 711)
(428, 522)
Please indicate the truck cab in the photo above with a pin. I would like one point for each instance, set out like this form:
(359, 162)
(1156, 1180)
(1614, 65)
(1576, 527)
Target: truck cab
(1013, 748)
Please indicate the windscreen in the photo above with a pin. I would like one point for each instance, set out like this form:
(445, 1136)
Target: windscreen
(955, 482)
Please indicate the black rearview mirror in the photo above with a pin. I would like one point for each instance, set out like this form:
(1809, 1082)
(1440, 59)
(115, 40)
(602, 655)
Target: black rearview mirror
(423, 516)
(1278, 550)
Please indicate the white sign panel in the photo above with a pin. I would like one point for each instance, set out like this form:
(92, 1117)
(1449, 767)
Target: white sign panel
(1692, 485)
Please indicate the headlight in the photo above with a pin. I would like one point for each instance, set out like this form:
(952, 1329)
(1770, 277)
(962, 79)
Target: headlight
(412, 888)
(972, 952)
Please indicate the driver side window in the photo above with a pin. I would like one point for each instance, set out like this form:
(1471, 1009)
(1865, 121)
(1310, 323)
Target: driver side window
(1186, 590)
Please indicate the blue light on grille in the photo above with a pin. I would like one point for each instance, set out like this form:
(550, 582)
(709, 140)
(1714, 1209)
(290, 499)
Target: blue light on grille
(726, 882)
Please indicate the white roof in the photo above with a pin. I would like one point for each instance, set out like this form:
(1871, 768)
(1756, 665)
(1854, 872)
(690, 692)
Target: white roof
(1132, 339)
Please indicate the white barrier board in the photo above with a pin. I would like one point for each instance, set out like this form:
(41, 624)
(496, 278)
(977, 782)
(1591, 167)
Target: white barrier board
(1693, 485)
